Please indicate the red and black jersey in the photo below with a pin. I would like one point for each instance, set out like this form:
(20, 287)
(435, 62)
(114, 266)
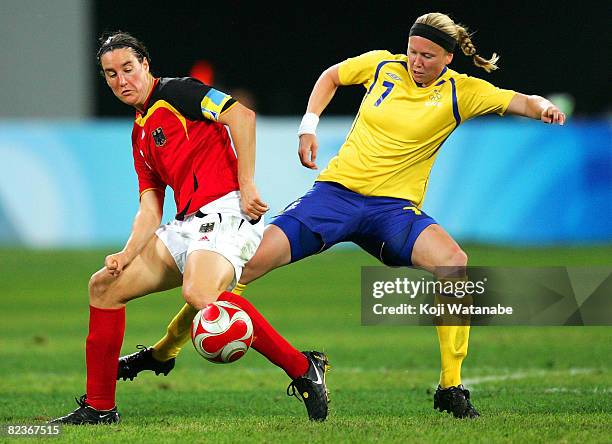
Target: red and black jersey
(177, 142)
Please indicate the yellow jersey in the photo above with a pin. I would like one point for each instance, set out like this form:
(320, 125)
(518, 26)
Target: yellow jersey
(400, 126)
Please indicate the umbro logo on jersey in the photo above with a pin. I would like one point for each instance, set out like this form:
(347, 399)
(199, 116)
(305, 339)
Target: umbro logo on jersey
(394, 76)
(159, 137)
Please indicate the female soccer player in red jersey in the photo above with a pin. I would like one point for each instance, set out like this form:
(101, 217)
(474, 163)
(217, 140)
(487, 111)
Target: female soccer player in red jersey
(180, 140)
(371, 193)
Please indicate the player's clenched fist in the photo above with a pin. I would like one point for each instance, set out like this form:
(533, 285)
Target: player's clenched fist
(115, 263)
(251, 203)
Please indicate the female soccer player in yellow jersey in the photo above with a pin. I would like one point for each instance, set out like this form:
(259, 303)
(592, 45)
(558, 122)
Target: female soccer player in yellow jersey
(371, 193)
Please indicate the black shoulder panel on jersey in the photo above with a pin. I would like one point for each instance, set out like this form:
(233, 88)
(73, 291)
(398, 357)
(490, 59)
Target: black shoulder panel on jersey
(185, 94)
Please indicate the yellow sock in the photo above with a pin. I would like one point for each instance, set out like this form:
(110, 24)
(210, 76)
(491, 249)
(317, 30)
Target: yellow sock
(453, 350)
(178, 332)
(239, 289)
(453, 334)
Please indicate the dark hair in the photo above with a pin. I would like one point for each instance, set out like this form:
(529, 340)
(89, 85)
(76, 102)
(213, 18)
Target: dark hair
(110, 41)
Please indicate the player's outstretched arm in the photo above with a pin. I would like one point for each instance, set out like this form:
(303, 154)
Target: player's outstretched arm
(322, 93)
(146, 221)
(323, 90)
(536, 107)
(241, 123)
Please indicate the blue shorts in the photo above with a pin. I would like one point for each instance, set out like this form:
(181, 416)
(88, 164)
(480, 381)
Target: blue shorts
(329, 213)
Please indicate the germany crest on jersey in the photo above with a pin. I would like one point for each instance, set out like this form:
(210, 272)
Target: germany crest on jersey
(159, 137)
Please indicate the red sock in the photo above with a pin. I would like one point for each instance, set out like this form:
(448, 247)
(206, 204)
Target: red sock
(269, 342)
(106, 329)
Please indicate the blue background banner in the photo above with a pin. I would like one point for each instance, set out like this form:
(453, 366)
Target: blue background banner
(510, 181)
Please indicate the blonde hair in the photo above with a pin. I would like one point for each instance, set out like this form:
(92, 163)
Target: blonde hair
(460, 33)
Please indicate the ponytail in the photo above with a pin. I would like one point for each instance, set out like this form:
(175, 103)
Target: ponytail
(459, 32)
(467, 46)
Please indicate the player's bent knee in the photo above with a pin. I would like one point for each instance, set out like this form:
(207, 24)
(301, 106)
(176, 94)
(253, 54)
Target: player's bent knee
(451, 262)
(457, 258)
(98, 286)
(200, 297)
(460, 258)
(101, 292)
(451, 257)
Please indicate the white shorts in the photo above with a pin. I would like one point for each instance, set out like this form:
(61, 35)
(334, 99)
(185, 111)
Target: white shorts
(219, 226)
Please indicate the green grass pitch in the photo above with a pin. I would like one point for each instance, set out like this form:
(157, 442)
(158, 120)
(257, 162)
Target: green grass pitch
(531, 384)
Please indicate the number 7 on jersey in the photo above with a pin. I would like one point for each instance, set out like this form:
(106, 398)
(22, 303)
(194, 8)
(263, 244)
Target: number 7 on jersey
(389, 86)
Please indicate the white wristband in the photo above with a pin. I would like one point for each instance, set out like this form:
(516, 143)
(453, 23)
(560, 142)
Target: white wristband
(309, 124)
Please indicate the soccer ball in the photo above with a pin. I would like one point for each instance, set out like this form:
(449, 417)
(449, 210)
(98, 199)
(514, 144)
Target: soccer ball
(222, 332)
